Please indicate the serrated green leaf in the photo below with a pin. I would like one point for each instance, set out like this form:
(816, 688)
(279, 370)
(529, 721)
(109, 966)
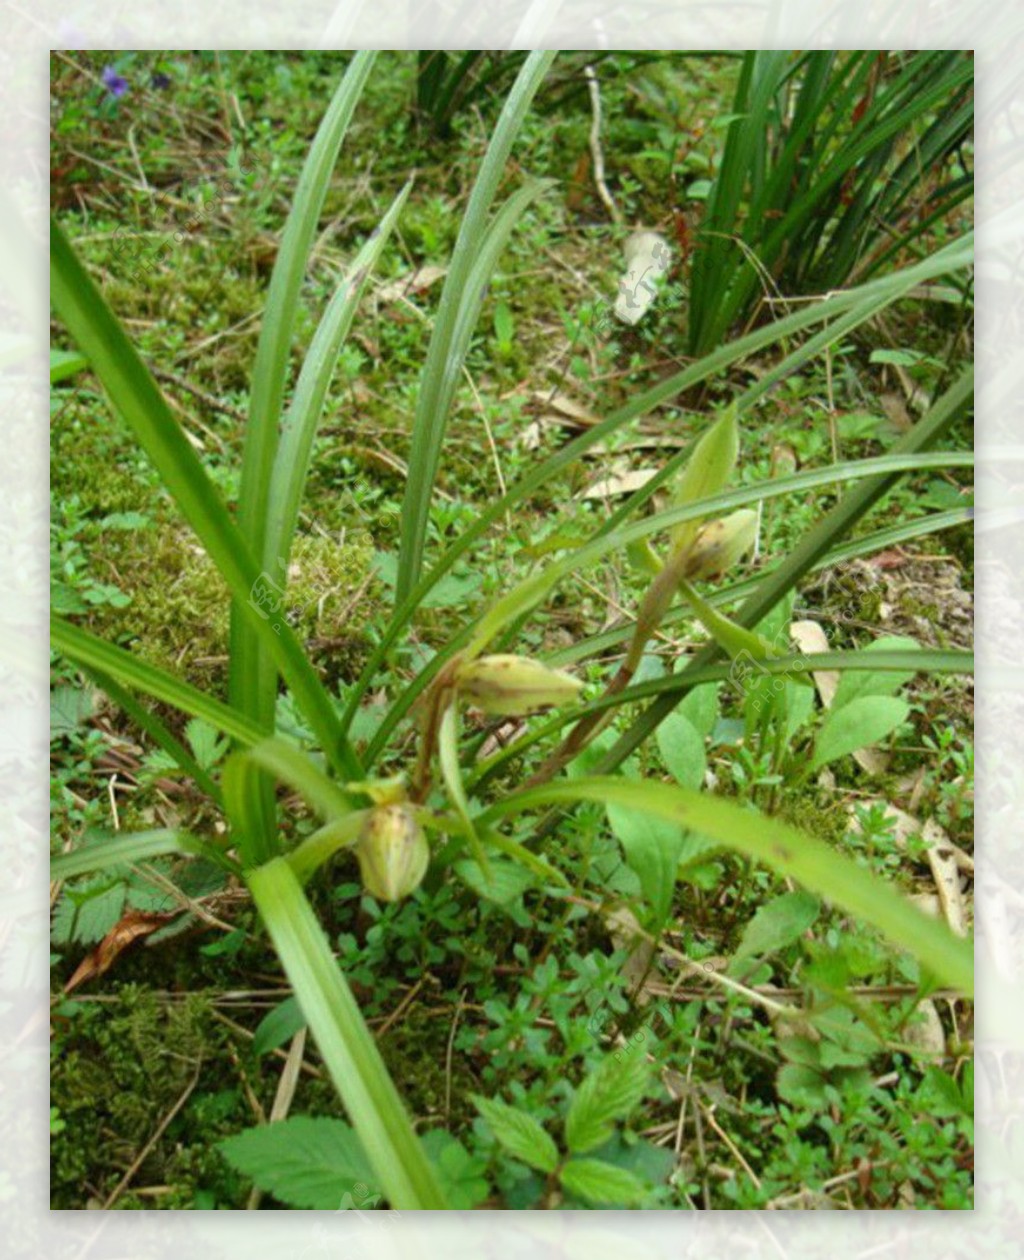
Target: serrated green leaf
(87, 912)
(776, 924)
(802, 1085)
(278, 1026)
(508, 879)
(462, 1176)
(856, 725)
(519, 1134)
(309, 1162)
(202, 738)
(126, 520)
(943, 1093)
(598, 1182)
(606, 1095)
(650, 1163)
(70, 708)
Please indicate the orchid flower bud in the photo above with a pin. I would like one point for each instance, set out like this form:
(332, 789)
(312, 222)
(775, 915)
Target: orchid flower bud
(393, 852)
(514, 686)
(719, 545)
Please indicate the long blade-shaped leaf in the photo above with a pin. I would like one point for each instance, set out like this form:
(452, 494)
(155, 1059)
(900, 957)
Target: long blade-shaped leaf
(93, 653)
(348, 1049)
(136, 396)
(249, 684)
(138, 846)
(244, 774)
(815, 544)
(291, 464)
(957, 255)
(444, 362)
(791, 852)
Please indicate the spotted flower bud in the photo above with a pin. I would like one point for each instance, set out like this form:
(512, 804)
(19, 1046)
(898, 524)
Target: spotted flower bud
(514, 686)
(720, 544)
(393, 852)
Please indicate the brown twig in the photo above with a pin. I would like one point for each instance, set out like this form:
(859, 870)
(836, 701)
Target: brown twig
(161, 1128)
(215, 404)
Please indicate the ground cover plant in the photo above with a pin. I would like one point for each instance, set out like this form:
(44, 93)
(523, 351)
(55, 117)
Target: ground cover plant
(500, 759)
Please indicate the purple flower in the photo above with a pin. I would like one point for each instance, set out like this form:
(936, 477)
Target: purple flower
(116, 84)
(160, 80)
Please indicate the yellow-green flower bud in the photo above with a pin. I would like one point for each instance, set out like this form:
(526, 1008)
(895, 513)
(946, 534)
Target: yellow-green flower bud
(514, 686)
(720, 544)
(393, 852)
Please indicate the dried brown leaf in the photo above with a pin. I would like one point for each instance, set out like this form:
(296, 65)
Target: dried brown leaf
(613, 484)
(414, 282)
(131, 927)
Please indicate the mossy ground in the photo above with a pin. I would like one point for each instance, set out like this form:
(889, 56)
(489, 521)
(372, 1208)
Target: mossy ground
(489, 999)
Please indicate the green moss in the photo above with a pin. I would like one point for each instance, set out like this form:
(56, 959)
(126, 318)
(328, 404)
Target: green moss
(415, 1051)
(806, 813)
(180, 611)
(91, 459)
(121, 1070)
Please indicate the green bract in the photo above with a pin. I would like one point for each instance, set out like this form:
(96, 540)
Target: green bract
(514, 686)
(393, 853)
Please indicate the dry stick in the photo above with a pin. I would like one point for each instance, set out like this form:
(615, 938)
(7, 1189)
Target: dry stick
(595, 146)
(136, 1164)
(737, 1153)
(309, 1068)
(448, 1058)
(286, 1087)
(215, 404)
(698, 1128)
(400, 1009)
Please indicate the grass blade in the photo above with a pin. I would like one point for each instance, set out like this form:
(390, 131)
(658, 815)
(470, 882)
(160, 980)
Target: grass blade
(147, 721)
(136, 847)
(792, 853)
(816, 544)
(348, 1049)
(95, 654)
(443, 364)
(136, 396)
(291, 464)
(297, 769)
(249, 684)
